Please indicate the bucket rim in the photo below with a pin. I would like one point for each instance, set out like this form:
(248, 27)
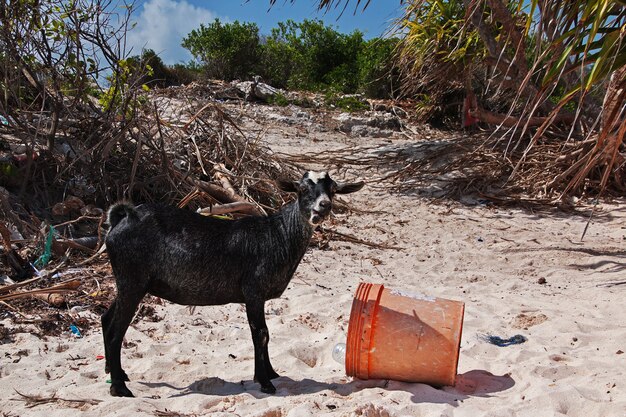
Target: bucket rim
(361, 328)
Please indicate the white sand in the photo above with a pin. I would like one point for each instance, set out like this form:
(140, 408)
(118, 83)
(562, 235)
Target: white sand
(202, 364)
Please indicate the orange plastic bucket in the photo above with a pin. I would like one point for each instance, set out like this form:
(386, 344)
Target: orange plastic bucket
(403, 336)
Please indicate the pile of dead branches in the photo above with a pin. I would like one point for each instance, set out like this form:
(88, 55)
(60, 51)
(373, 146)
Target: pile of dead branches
(182, 151)
(189, 151)
(548, 172)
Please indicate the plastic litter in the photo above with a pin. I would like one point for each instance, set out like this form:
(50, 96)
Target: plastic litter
(339, 353)
(498, 341)
(77, 309)
(47, 250)
(5, 280)
(75, 331)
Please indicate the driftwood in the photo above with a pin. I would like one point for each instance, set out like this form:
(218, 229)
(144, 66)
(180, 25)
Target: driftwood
(54, 299)
(9, 288)
(168, 413)
(222, 195)
(239, 207)
(220, 169)
(243, 207)
(67, 286)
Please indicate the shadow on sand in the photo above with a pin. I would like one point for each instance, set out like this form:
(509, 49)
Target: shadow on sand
(476, 383)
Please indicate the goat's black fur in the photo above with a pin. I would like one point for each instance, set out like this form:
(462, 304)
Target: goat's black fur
(195, 260)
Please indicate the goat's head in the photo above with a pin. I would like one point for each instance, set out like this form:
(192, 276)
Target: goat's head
(315, 193)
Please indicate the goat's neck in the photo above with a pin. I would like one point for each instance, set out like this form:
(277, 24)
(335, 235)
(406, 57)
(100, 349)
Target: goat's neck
(295, 224)
(290, 233)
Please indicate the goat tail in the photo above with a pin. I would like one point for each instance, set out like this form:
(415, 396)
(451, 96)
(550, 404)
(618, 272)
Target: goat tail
(119, 211)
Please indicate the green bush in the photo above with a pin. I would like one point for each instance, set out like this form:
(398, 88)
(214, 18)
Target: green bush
(311, 56)
(280, 55)
(378, 75)
(161, 75)
(122, 95)
(227, 51)
(308, 55)
(345, 102)
(279, 100)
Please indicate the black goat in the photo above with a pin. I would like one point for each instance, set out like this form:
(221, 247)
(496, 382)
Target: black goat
(196, 260)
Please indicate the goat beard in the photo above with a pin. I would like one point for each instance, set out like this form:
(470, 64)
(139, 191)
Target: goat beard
(316, 219)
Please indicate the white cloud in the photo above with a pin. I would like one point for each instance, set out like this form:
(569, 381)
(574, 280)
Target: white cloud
(161, 26)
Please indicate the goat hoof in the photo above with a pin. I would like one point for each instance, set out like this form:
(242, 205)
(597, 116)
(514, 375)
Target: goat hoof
(120, 391)
(268, 388)
(124, 375)
(272, 374)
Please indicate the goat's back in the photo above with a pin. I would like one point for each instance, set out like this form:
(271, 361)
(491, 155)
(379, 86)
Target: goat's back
(193, 259)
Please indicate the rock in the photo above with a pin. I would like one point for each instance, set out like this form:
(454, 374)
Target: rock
(348, 121)
(381, 133)
(256, 90)
(359, 130)
(228, 93)
(246, 88)
(378, 125)
(385, 121)
(301, 114)
(282, 118)
(265, 92)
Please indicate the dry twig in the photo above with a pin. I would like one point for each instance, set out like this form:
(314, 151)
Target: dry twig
(36, 400)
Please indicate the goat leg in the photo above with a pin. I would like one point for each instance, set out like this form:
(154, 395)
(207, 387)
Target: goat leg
(106, 332)
(263, 371)
(117, 323)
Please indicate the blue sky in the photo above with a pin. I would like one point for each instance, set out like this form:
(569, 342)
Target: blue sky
(161, 24)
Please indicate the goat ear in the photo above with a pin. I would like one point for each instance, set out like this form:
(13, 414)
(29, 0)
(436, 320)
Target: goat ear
(348, 188)
(288, 186)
